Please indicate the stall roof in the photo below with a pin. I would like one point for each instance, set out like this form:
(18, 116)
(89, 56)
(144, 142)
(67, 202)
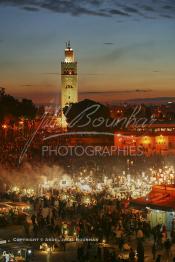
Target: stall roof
(161, 198)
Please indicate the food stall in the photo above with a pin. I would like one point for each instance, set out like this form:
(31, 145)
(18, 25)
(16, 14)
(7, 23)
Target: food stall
(15, 252)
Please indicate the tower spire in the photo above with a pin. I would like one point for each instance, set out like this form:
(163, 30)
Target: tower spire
(68, 45)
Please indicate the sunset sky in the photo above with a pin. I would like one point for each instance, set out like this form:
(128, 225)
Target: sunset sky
(125, 48)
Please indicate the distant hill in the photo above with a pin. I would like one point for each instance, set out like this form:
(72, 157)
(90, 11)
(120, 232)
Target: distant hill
(152, 100)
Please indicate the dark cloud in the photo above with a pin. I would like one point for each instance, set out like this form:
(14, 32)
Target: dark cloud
(30, 8)
(131, 10)
(167, 16)
(108, 43)
(148, 8)
(81, 10)
(80, 74)
(72, 7)
(116, 92)
(143, 90)
(106, 8)
(168, 7)
(118, 12)
(27, 85)
(152, 100)
(95, 2)
(156, 71)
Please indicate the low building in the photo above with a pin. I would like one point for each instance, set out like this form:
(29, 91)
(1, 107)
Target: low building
(160, 205)
(157, 138)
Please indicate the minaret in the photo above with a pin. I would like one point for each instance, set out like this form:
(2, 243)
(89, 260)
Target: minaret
(69, 84)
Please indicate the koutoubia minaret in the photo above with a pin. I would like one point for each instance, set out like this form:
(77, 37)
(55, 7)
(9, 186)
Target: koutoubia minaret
(69, 81)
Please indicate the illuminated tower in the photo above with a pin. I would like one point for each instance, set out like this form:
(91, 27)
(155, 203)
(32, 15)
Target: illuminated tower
(69, 84)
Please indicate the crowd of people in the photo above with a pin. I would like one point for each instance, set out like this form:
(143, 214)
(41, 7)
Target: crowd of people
(105, 231)
(116, 231)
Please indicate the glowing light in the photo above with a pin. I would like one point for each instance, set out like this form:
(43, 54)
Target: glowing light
(160, 139)
(146, 140)
(66, 232)
(85, 188)
(120, 185)
(4, 126)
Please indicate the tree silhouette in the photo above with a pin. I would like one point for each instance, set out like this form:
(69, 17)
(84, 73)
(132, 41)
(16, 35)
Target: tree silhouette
(13, 108)
(87, 115)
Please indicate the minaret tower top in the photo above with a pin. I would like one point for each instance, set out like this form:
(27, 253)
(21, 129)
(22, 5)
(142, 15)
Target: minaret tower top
(69, 53)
